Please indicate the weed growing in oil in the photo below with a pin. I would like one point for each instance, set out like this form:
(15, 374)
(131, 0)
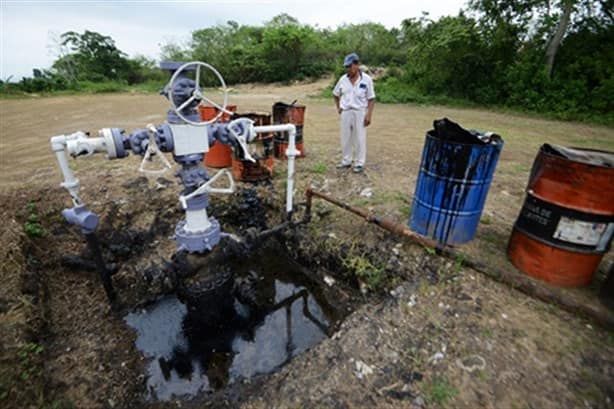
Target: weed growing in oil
(364, 269)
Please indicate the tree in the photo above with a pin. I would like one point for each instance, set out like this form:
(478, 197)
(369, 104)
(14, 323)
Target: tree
(447, 57)
(94, 56)
(557, 37)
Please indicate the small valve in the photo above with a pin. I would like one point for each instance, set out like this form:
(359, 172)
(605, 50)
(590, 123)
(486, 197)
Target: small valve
(153, 150)
(242, 129)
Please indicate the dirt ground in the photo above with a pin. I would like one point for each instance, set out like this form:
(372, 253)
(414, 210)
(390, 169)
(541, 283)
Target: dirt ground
(435, 334)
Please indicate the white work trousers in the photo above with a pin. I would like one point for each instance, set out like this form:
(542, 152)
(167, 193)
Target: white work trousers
(353, 137)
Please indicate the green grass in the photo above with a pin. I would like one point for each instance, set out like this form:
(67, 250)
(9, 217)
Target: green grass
(319, 168)
(439, 391)
(372, 274)
(486, 332)
(486, 220)
(405, 210)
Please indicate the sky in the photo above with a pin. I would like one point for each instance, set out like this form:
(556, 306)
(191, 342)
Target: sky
(29, 29)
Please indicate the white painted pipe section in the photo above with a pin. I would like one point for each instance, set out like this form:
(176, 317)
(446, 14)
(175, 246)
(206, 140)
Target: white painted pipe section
(81, 145)
(291, 153)
(71, 183)
(196, 220)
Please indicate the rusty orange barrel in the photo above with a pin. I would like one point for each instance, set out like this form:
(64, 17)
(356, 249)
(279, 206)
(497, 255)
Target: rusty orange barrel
(250, 172)
(261, 149)
(289, 114)
(219, 155)
(567, 220)
(281, 144)
(208, 112)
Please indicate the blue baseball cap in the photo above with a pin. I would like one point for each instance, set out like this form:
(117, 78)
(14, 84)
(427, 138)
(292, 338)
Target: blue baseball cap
(350, 59)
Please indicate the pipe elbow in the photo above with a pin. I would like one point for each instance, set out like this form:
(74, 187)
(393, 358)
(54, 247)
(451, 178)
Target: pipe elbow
(58, 143)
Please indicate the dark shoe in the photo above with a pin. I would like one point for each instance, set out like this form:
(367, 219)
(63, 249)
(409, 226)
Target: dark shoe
(357, 169)
(343, 166)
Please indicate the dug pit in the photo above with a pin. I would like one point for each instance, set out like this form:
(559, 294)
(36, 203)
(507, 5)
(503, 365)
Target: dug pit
(272, 313)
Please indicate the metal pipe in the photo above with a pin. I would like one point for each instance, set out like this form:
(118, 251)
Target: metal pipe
(71, 183)
(371, 217)
(291, 154)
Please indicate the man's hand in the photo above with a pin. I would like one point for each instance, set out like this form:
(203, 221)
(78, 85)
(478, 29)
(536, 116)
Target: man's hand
(367, 121)
(339, 110)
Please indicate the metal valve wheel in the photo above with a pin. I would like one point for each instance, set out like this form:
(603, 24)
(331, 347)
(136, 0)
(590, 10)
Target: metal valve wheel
(197, 94)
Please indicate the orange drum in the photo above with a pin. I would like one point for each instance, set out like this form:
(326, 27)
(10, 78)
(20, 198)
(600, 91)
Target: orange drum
(208, 112)
(288, 114)
(281, 146)
(567, 220)
(219, 155)
(248, 171)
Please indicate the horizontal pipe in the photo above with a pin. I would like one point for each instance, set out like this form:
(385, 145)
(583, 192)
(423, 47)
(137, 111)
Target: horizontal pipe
(515, 280)
(371, 217)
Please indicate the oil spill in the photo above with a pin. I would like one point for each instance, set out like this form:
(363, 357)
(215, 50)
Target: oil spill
(272, 314)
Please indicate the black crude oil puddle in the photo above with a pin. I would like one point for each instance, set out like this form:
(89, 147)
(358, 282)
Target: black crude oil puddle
(188, 356)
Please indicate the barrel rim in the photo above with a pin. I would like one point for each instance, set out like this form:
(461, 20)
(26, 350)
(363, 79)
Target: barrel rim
(542, 151)
(498, 142)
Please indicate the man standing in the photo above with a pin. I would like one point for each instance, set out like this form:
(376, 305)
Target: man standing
(354, 98)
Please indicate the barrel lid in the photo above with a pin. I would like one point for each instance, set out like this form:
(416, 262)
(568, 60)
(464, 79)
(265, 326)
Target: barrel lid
(449, 131)
(285, 105)
(586, 156)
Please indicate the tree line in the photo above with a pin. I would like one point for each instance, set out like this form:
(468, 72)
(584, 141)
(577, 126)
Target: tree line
(548, 56)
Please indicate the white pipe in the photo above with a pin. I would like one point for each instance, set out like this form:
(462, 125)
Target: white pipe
(71, 183)
(291, 153)
(82, 145)
(196, 220)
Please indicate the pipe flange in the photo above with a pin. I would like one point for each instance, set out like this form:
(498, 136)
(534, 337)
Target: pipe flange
(198, 241)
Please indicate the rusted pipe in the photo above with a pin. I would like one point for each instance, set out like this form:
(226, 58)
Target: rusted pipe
(371, 217)
(517, 281)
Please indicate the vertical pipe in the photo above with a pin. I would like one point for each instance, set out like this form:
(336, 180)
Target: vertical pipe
(105, 274)
(196, 220)
(71, 183)
(291, 154)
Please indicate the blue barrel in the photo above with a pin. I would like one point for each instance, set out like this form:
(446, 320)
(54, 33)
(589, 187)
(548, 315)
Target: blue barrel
(452, 186)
